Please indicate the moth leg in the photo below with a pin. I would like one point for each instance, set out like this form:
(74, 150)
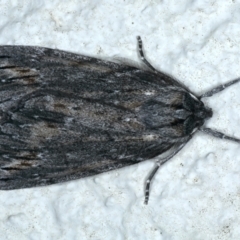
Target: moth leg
(160, 163)
(142, 54)
(218, 134)
(219, 88)
(148, 182)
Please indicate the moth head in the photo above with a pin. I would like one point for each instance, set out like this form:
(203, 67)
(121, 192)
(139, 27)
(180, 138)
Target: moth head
(198, 113)
(197, 107)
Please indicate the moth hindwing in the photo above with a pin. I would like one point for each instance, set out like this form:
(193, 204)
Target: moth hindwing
(66, 116)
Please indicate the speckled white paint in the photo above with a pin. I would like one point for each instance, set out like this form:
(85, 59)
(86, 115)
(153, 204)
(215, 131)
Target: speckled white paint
(196, 195)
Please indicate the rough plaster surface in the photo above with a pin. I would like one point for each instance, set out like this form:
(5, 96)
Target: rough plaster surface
(196, 195)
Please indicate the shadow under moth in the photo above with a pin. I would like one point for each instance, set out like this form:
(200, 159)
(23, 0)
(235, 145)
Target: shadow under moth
(65, 116)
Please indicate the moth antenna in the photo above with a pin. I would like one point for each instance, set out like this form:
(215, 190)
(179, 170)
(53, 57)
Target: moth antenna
(142, 54)
(160, 162)
(219, 88)
(217, 134)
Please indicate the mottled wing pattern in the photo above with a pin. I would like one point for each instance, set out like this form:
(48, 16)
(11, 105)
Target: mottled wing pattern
(65, 116)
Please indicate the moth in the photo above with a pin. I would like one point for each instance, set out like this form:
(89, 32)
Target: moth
(65, 116)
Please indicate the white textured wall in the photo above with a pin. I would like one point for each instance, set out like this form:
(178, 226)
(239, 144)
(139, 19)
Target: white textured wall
(196, 195)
